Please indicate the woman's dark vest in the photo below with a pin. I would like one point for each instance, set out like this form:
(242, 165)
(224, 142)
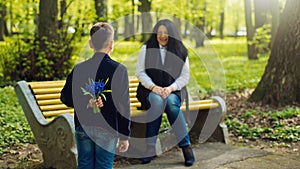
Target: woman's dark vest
(161, 74)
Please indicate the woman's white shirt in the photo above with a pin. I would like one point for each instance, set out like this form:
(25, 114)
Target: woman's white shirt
(147, 82)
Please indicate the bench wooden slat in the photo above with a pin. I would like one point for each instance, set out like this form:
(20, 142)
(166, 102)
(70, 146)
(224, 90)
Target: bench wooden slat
(54, 107)
(49, 102)
(132, 95)
(134, 112)
(134, 100)
(133, 85)
(192, 106)
(207, 101)
(47, 96)
(138, 104)
(48, 114)
(132, 90)
(201, 106)
(46, 90)
(47, 84)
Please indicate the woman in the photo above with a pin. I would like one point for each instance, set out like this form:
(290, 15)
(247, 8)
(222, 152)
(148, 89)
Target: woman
(163, 71)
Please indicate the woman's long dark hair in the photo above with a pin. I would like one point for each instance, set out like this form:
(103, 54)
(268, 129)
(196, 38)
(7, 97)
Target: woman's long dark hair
(174, 45)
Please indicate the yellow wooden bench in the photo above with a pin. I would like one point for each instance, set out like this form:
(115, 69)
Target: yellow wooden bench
(52, 122)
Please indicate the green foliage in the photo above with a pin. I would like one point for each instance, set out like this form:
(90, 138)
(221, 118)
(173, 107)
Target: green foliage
(11, 53)
(52, 60)
(14, 126)
(278, 126)
(32, 63)
(262, 39)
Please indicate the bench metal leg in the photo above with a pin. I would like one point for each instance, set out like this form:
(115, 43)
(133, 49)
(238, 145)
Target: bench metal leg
(208, 125)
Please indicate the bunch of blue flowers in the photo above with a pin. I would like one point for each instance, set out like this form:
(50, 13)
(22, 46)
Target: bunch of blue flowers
(95, 90)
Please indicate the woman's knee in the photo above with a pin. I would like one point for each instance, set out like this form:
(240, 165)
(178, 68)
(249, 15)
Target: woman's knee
(156, 100)
(173, 103)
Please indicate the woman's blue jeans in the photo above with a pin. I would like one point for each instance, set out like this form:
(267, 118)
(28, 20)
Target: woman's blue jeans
(171, 106)
(95, 148)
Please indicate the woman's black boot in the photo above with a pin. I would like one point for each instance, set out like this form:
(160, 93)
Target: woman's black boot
(149, 154)
(188, 154)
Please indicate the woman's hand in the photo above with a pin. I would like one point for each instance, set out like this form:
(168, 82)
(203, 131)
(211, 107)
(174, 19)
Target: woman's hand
(167, 91)
(158, 90)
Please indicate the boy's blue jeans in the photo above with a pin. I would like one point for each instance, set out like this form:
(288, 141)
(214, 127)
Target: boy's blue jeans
(95, 149)
(170, 105)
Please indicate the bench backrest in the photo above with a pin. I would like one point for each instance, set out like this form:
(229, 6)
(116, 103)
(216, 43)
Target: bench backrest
(47, 94)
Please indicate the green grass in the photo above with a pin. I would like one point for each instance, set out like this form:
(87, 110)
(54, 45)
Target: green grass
(280, 126)
(240, 72)
(14, 127)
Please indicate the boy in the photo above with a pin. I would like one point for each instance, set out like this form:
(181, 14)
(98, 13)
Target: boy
(98, 131)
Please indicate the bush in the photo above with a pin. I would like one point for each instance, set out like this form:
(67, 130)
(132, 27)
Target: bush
(10, 52)
(32, 62)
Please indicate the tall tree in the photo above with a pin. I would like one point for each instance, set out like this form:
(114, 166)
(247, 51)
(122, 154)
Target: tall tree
(47, 21)
(50, 57)
(261, 9)
(132, 19)
(280, 84)
(144, 8)
(101, 10)
(199, 9)
(2, 19)
(250, 31)
(275, 11)
(3, 23)
(222, 17)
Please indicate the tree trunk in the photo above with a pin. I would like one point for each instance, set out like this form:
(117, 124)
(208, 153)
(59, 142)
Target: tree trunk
(145, 8)
(127, 28)
(261, 8)
(47, 21)
(200, 24)
(177, 23)
(132, 28)
(63, 10)
(199, 36)
(280, 84)
(252, 55)
(186, 29)
(101, 10)
(222, 17)
(275, 10)
(3, 24)
(2, 18)
(115, 25)
(222, 25)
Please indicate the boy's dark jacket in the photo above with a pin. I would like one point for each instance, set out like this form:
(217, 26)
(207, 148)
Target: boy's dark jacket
(115, 114)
